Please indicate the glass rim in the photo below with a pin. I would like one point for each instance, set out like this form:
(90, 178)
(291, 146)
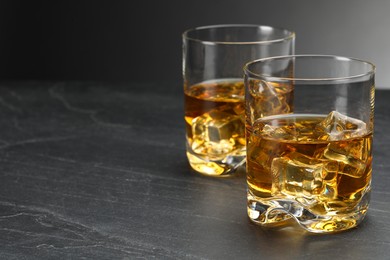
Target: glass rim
(334, 57)
(291, 34)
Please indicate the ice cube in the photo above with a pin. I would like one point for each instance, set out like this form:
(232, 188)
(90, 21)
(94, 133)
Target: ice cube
(260, 88)
(337, 126)
(215, 133)
(263, 151)
(287, 130)
(306, 178)
(280, 132)
(351, 155)
(267, 99)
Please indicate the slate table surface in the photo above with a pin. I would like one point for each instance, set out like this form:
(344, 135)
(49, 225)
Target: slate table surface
(98, 171)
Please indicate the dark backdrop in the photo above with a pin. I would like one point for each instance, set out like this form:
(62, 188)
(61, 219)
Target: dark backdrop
(141, 40)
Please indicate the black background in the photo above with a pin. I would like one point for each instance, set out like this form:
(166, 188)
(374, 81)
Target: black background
(98, 170)
(141, 40)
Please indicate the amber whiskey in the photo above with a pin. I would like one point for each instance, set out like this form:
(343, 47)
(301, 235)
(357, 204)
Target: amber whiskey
(214, 117)
(316, 168)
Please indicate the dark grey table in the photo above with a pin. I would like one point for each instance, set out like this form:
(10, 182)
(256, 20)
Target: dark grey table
(99, 171)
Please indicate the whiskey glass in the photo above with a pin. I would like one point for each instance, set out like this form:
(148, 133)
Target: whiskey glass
(309, 126)
(213, 58)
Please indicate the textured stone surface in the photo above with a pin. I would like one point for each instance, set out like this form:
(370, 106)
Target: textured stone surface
(98, 170)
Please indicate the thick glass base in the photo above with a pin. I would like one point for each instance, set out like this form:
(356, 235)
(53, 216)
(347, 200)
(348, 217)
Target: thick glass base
(275, 211)
(218, 168)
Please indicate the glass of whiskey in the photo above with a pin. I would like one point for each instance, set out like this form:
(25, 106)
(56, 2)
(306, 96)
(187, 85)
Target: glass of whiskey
(309, 127)
(213, 58)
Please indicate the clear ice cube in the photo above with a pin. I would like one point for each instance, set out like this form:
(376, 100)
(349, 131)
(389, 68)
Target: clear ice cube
(337, 126)
(351, 156)
(306, 178)
(263, 151)
(215, 133)
(267, 99)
